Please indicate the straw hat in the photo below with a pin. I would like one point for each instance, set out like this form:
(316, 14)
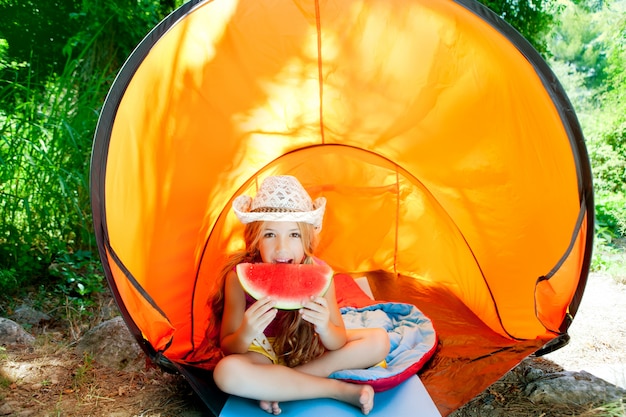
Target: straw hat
(280, 198)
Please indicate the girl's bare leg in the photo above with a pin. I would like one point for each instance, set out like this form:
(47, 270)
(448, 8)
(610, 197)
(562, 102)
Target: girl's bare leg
(246, 376)
(365, 348)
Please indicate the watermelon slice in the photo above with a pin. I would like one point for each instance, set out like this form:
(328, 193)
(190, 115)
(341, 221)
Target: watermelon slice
(288, 284)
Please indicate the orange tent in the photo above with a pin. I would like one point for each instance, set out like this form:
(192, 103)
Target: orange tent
(454, 167)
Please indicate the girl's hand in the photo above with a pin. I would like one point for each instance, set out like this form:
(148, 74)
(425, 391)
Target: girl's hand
(316, 312)
(257, 317)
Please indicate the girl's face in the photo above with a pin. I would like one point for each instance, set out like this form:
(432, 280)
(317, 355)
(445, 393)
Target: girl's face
(281, 242)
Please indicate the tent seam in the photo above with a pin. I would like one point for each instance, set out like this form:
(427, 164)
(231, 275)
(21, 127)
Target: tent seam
(395, 249)
(320, 75)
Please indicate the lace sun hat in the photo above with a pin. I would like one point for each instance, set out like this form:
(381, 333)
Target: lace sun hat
(280, 198)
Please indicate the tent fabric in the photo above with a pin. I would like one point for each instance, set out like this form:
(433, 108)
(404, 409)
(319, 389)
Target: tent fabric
(454, 168)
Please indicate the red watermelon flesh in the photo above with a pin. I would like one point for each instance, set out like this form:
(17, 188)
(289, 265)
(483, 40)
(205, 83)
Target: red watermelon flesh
(287, 284)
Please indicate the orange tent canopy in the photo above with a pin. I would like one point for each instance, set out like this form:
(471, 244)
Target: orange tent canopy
(454, 168)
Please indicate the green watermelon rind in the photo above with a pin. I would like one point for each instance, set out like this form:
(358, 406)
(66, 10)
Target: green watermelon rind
(292, 303)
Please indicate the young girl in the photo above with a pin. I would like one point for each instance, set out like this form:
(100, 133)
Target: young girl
(275, 355)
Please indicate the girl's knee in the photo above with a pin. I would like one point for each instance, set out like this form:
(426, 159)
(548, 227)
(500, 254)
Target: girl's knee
(381, 340)
(226, 373)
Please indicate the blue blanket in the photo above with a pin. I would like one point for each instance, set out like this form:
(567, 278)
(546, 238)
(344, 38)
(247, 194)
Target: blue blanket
(412, 337)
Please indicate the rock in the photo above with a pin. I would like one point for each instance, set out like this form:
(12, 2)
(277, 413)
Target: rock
(111, 344)
(6, 409)
(578, 388)
(28, 315)
(12, 333)
(538, 387)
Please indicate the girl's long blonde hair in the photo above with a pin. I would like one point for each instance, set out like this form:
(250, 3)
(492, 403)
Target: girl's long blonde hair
(297, 342)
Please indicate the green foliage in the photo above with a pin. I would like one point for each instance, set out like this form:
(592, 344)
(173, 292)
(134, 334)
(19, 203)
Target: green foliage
(589, 57)
(616, 56)
(609, 163)
(49, 108)
(4, 52)
(80, 273)
(610, 259)
(44, 177)
(579, 38)
(532, 18)
(8, 281)
(611, 213)
(43, 36)
(79, 282)
(37, 30)
(118, 25)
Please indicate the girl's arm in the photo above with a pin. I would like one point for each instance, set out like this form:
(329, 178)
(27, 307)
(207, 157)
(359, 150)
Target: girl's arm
(323, 312)
(241, 326)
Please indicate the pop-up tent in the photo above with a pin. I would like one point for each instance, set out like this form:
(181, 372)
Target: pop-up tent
(454, 167)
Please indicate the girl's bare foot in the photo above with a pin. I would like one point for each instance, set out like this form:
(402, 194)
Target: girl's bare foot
(361, 396)
(270, 407)
(366, 399)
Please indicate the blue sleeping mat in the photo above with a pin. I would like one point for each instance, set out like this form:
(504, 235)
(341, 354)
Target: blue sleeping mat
(410, 398)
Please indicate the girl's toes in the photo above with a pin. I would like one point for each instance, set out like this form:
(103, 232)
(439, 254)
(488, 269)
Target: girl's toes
(266, 406)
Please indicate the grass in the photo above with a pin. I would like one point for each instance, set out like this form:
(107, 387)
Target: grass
(610, 257)
(4, 382)
(45, 147)
(83, 374)
(613, 409)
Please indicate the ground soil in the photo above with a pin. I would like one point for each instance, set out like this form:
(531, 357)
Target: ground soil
(50, 379)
